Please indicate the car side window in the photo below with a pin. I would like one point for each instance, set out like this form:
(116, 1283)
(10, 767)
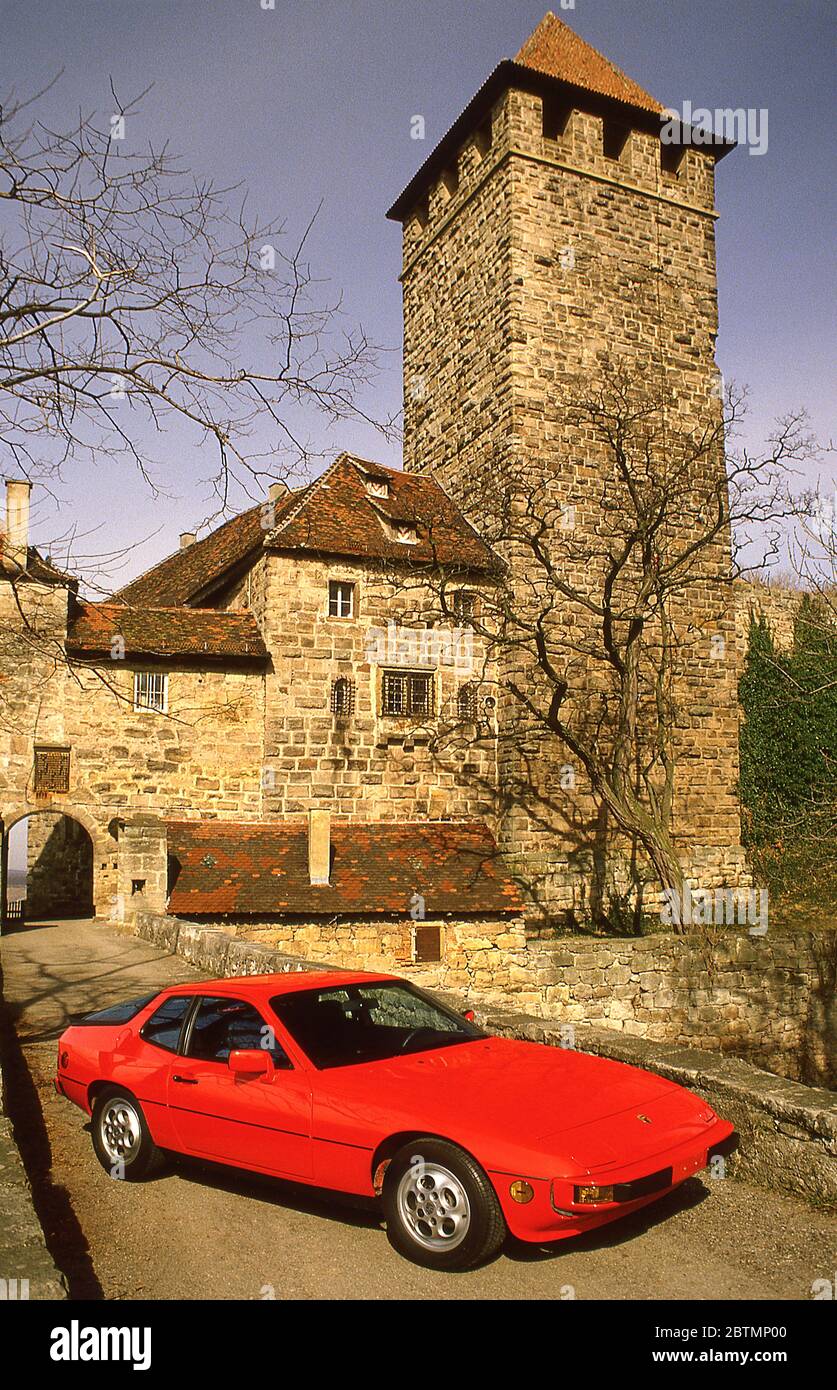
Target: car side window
(222, 1025)
(163, 1027)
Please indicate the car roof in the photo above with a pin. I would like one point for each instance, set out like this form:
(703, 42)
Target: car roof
(288, 982)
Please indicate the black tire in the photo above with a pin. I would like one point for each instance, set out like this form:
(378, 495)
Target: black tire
(441, 1210)
(121, 1138)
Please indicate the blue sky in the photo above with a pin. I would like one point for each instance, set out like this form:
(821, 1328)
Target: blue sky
(312, 102)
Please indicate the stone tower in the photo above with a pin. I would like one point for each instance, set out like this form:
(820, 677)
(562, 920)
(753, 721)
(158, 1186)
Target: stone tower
(549, 231)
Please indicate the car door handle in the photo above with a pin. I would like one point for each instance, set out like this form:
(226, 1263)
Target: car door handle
(186, 1080)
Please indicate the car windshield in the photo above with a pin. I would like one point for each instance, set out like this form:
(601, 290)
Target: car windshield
(346, 1024)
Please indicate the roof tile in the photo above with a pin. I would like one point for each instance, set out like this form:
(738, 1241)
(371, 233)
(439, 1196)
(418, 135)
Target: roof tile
(377, 868)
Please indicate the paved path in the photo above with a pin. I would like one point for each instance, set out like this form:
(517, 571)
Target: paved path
(203, 1232)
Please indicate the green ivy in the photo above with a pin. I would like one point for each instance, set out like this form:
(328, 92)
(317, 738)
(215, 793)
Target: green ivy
(788, 746)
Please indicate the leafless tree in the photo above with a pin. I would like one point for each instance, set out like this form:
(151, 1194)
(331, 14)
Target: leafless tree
(609, 590)
(134, 295)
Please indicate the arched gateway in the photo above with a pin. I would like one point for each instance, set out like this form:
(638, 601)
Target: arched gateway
(71, 860)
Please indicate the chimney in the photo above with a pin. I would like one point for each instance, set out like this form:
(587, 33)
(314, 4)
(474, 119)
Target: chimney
(17, 520)
(277, 491)
(187, 538)
(319, 847)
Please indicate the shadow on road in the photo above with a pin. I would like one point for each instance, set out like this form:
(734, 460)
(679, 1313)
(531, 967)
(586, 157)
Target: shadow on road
(63, 1235)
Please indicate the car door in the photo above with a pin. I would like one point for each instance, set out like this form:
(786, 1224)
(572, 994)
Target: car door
(261, 1122)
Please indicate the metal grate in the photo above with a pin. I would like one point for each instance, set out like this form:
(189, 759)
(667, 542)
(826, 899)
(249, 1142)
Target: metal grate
(343, 697)
(407, 694)
(52, 770)
(466, 701)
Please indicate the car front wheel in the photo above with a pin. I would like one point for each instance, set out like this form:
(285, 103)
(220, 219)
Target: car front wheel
(441, 1210)
(121, 1137)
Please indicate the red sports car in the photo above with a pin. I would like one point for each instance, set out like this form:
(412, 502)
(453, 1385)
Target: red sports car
(364, 1084)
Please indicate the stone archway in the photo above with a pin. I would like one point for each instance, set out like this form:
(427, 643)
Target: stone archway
(70, 866)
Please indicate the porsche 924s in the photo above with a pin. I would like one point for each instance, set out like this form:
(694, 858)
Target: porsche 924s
(362, 1083)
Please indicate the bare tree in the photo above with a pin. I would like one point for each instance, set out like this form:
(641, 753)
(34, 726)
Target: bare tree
(611, 590)
(133, 295)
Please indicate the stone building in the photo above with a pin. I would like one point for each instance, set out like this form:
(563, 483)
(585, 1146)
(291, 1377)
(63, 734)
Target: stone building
(307, 671)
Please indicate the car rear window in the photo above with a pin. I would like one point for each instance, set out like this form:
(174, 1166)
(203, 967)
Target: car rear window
(164, 1026)
(117, 1013)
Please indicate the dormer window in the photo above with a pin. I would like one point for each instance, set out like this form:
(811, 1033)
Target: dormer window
(377, 487)
(405, 532)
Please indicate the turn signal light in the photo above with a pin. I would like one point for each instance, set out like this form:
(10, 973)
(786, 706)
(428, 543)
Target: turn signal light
(522, 1191)
(593, 1194)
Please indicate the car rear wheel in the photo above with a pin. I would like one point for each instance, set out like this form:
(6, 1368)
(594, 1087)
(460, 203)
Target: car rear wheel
(121, 1137)
(441, 1210)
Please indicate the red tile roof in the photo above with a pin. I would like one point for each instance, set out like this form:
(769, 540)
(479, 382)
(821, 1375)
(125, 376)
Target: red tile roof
(555, 49)
(37, 566)
(334, 516)
(164, 632)
(377, 869)
(183, 576)
(338, 516)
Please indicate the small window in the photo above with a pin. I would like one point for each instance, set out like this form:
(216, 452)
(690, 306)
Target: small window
(614, 138)
(406, 693)
(341, 599)
(164, 1026)
(377, 487)
(405, 532)
(466, 701)
(223, 1026)
(151, 691)
(464, 604)
(343, 697)
(52, 770)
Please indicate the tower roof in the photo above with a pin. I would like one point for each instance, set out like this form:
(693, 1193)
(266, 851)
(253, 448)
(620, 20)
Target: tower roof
(554, 59)
(555, 49)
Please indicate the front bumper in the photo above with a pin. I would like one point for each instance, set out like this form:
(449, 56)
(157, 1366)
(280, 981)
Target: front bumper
(553, 1213)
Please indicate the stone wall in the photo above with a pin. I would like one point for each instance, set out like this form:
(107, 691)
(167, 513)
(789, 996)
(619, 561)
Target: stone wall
(204, 756)
(59, 880)
(777, 604)
(369, 766)
(770, 999)
(479, 950)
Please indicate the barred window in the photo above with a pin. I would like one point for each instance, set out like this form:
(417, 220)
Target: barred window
(406, 693)
(341, 599)
(52, 770)
(151, 691)
(466, 701)
(464, 603)
(343, 696)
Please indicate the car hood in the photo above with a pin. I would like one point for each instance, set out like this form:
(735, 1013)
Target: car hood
(526, 1090)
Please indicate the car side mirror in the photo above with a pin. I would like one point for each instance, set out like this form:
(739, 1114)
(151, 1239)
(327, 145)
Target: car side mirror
(251, 1061)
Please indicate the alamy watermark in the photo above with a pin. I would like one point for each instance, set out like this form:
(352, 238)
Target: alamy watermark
(716, 907)
(423, 647)
(700, 126)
